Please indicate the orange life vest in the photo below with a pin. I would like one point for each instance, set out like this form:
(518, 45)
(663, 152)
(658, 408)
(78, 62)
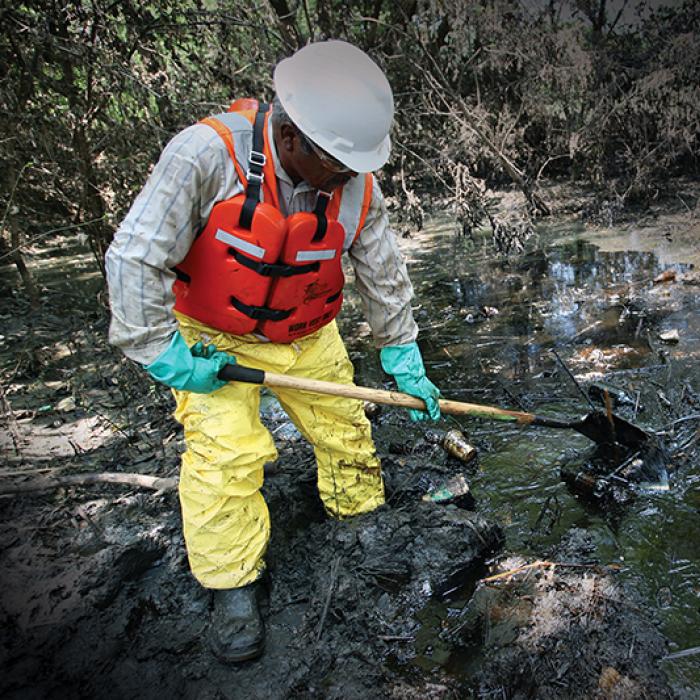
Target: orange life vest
(253, 270)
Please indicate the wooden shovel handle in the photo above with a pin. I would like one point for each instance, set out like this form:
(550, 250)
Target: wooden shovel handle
(351, 391)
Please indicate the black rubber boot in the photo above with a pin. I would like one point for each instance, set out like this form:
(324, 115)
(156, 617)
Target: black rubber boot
(237, 632)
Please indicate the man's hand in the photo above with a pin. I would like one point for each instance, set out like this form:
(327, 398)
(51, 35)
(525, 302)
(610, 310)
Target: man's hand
(196, 369)
(406, 364)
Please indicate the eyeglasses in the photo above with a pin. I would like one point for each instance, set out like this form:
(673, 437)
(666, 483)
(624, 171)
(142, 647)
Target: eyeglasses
(329, 162)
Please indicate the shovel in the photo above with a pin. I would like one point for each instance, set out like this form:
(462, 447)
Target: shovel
(605, 429)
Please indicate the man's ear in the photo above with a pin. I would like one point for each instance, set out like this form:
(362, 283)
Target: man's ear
(288, 134)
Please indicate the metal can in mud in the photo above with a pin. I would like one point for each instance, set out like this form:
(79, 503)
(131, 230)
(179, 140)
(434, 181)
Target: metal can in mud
(454, 443)
(583, 482)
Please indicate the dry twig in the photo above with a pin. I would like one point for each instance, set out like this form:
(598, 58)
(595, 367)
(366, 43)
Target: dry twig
(335, 566)
(540, 563)
(518, 570)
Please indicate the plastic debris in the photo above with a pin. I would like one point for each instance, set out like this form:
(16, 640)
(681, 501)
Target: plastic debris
(671, 336)
(665, 276)
(596, 487)
(475, 315)
(66, 404)
(454, 490)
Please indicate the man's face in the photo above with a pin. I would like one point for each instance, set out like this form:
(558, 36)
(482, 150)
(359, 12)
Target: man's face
(316, 167)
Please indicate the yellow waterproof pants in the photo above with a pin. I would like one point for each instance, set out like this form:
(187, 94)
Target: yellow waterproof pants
(225, 518)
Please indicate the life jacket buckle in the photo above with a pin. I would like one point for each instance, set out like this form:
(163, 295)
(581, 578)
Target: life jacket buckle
(255, 177)
(257, 158)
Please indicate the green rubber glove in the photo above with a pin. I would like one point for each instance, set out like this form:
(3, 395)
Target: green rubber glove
(406, 364)
(180, 367)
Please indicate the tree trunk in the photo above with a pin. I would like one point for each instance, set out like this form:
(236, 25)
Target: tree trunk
(92, 206)
(24, 273)
(287, 23)
(15, 250)
(537, 204)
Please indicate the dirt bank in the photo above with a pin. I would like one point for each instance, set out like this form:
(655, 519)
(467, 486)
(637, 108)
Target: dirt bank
(562, 631)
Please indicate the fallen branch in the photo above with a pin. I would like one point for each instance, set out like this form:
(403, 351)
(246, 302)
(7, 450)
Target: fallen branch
(335, 566)
(541, 564)
(155, 483)
(695, 416)
(693, 651)
(396, 638)
(518, 570)
(29, 470)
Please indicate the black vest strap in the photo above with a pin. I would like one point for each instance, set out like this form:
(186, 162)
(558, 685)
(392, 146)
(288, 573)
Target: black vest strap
(181, 275)
(261, 313)
(322, 199)
(256, 163)
(272, 269)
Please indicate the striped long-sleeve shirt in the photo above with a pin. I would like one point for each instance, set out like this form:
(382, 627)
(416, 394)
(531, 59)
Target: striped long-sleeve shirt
(193, 173)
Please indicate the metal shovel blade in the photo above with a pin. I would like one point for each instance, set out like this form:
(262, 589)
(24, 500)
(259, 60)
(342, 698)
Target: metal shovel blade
(605, 429)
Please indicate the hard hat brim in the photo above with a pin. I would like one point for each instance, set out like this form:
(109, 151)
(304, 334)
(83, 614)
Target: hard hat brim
(366, 162)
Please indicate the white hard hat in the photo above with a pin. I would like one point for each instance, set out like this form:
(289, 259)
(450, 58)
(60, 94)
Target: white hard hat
(338, 97)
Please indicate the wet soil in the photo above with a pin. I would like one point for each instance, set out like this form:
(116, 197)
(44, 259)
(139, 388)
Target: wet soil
(564, 631)
(97, 599)
(110, 609)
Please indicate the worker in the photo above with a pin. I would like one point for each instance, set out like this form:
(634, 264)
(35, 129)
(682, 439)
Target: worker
(231, 254)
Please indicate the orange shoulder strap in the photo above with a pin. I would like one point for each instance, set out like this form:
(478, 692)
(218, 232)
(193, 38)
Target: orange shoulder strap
(270, 182)
(243, 104)
(226, 137)
(333, 209)
(366, 201)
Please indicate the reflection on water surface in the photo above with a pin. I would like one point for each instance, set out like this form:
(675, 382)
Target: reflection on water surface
(487, 329)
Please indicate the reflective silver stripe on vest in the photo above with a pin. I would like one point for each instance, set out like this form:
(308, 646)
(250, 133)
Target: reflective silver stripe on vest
(239, 244)
(309, 255)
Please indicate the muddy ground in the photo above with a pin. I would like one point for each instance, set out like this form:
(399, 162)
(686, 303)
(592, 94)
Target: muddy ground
(97, 600)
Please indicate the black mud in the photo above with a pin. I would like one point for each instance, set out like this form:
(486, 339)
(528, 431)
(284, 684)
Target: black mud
(98, 601)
